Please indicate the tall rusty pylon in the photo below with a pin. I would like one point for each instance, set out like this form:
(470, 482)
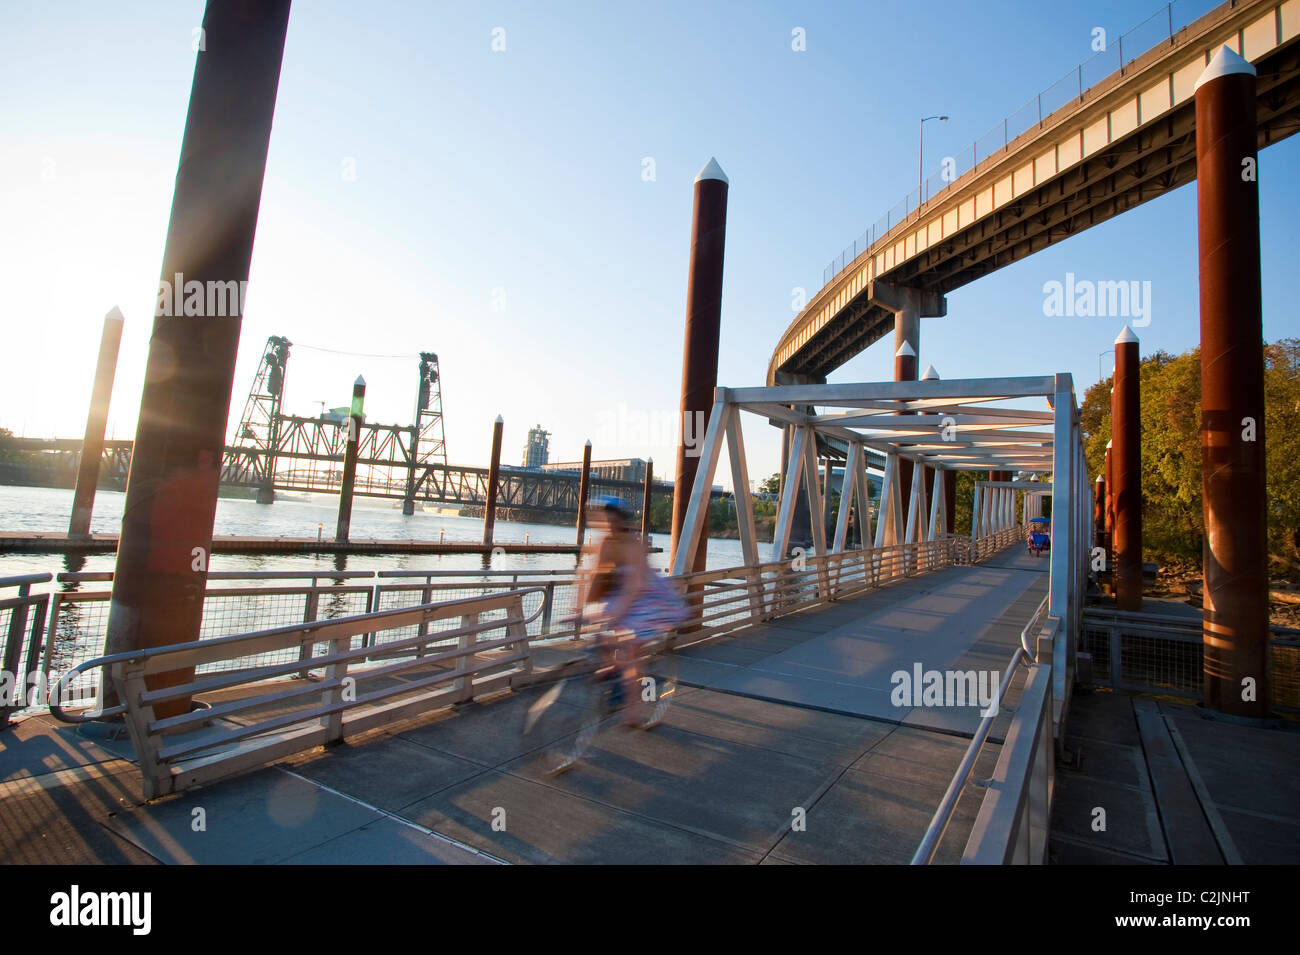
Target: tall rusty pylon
(1235, 626)
(700, 351)
(171, 497)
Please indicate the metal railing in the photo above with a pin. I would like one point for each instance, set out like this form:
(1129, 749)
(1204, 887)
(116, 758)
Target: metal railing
(21, 629)
(1014, 816)
(1070, 91)
(1161, 653)
(558, 592)
(934, 833)
(243, 602)
(252, 715)
(734, 598)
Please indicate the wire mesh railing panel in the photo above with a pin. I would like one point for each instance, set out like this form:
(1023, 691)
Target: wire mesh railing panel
(76, 632)
(1096, 643)
(1285, 676)
(1160, 663)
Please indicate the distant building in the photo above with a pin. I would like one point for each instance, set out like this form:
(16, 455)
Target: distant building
(538, 449)
(625, 469)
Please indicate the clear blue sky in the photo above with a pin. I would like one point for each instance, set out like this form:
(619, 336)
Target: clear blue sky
(522, 171)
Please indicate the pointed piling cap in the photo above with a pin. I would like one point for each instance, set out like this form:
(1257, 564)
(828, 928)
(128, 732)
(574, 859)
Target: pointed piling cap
(360, 381)
(1225, 63)
(588, 444)
(114, 315)
(1108, 444)
(712, 170)
(905, 350)
(930, 374)
(500, 420)
(1126, 336)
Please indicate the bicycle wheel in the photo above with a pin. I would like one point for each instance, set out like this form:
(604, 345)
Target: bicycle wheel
(657, 689)
(564, 719)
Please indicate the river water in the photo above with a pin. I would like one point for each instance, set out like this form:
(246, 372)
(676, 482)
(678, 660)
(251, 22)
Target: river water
(300, 515)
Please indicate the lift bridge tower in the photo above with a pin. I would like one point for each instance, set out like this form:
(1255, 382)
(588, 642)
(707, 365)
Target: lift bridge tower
(259, 426)
(428, 438)
(266, 433)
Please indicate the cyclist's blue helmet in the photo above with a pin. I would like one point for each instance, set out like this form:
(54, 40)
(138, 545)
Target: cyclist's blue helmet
(613, 505)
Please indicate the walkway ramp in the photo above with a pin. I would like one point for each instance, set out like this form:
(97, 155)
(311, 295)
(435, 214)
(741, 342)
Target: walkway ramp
(843, 658)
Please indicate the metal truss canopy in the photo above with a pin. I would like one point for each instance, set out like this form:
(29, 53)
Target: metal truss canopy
(944, 425)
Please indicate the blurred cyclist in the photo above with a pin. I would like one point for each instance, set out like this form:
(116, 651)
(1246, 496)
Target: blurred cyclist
(635, 604)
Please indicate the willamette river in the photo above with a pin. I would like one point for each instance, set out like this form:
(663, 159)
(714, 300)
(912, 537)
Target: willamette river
(298, 515)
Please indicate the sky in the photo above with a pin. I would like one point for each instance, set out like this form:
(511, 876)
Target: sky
(525, 211)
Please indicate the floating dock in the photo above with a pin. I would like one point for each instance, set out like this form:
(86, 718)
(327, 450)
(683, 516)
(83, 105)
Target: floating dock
(28, 542)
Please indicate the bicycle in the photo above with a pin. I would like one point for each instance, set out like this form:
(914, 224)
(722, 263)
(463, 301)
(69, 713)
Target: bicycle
(569, 714)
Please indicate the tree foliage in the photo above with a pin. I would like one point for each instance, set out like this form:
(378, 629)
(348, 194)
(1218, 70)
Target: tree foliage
(1172, 518)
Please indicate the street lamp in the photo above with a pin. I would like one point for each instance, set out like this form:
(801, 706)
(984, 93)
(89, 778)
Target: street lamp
(1108, 351)
(920, 159)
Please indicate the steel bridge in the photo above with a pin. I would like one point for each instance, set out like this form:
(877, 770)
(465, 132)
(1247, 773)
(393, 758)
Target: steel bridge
(310, 453)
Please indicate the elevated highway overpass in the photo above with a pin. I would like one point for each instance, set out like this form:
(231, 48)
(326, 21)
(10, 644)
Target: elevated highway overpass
(1120, 142)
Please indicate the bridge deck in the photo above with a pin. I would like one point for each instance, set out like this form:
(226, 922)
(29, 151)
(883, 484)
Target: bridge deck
(720, 781)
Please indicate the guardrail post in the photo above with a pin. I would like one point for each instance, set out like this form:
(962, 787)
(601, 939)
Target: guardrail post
(464, 683)
(37, 635)
(310, 609)
(128, 680)
(519, 630)
(17, 630)
(13, 653)
(548, 607)
(337, 673)
(426, 597)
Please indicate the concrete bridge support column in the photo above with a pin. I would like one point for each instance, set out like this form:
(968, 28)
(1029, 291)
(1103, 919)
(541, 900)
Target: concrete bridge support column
(909, 306)
(700, 351)
(162, 558)
(1235, 629)
(92, 446)
(1127, 466)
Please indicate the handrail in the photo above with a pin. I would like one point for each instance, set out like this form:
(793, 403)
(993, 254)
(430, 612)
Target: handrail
(472, 573)
(371, 619)
(1035, 621)
(21, 579)
(103, 576)
(943, 815)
